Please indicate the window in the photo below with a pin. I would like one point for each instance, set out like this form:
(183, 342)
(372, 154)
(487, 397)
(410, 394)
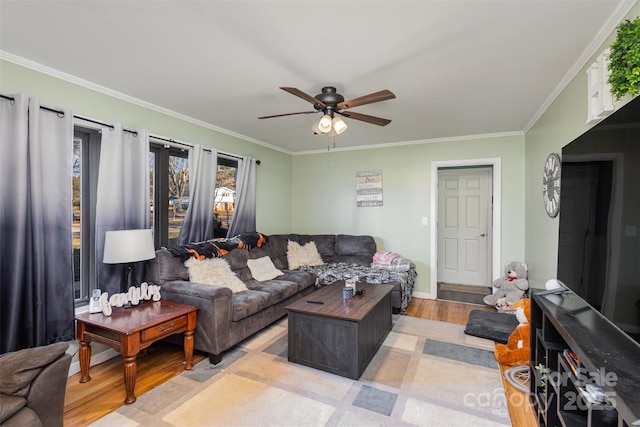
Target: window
(169, 198)
(225, 195)
(86, 156)
(169, 184)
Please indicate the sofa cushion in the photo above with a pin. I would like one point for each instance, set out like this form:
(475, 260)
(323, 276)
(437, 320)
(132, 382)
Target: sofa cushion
(263, 269)
(166, 268)
(298, 255)
(214, 271)
(278, 289)
(325, 243)
(238, 262)
(244, 304)
(354, 249)
(10, 405)
(276, 249)
(303, 279)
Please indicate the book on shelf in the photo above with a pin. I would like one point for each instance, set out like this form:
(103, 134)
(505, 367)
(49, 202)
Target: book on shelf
(593, 394)
(572, 360)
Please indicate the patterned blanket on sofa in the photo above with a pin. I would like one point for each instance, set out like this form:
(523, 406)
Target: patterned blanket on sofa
(402, 271)
(215, 248)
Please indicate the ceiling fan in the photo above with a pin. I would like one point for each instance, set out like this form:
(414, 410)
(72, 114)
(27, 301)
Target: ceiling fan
(330, 102)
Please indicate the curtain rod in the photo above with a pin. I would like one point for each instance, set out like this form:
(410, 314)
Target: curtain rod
(110, 126)
(186, 144)
(62, 113)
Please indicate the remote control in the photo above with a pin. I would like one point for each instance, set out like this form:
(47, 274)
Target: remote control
(313, 301)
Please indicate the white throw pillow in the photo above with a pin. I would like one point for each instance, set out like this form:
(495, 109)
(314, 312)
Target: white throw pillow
(214, 271)
(263, 269)
(302, 255)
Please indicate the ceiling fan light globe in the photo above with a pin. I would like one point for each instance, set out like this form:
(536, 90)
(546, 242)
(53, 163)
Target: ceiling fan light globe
(316, 128)
(339, 125)
(325, 123)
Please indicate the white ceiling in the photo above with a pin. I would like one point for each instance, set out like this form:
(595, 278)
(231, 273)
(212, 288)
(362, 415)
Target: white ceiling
(457, 68)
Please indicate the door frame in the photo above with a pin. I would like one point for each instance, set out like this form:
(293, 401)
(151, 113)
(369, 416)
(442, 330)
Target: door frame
(496, 264)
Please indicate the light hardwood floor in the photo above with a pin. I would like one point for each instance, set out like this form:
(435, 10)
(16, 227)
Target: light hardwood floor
(85, 403)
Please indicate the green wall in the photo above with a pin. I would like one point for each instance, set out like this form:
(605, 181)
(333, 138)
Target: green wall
(273, 174)
(560, 124)
(324, 195)
(315, 193)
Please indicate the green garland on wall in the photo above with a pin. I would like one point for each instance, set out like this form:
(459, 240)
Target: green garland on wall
(625, 60)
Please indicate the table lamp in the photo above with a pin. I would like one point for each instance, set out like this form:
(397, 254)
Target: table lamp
(128, 247)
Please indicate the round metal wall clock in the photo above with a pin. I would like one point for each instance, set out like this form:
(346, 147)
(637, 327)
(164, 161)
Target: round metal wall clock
(551, 185)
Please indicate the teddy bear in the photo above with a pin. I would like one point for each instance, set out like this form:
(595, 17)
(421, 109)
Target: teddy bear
(517, 351)
(510, 287)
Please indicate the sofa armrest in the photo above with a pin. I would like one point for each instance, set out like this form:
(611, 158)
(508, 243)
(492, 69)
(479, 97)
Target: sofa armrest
(196, 290)
(47, 392)
(214, 314)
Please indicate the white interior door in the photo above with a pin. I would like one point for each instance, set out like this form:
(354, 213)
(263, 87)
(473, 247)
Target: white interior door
(464, 226)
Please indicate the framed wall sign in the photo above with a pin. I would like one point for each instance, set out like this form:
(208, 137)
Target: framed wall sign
(369, 188)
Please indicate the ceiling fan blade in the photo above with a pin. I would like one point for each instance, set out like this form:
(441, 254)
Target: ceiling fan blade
(287, 114)
(383, 95)
(305, 96)
(365, 118)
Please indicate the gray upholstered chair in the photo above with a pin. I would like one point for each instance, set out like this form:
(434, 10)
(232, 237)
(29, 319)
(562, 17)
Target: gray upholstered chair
(33, 382)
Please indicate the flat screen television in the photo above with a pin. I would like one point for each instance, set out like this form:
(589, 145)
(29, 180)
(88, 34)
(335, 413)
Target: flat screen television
(599, 232)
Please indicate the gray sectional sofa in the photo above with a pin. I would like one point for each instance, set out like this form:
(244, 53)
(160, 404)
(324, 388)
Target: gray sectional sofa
(226, 318)
(32, 386)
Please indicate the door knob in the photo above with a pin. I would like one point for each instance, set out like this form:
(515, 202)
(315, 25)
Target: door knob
(483, 234)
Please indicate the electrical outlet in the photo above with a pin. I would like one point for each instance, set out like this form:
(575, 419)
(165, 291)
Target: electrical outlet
(425, 220)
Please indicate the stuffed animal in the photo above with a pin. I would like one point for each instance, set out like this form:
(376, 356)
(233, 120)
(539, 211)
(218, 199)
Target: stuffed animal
(511, 286)
(517, 351)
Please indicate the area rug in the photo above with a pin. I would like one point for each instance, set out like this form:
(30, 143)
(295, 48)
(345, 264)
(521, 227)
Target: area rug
(427, 373)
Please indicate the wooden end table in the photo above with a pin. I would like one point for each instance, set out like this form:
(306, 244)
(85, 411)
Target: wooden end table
(129, 330)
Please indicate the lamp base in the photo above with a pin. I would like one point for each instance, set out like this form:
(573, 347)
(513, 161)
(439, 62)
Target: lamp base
(128, 284)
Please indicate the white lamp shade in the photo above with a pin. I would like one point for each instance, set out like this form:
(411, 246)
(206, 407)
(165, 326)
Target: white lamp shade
(125, 246)
(316, 127)
(339, 125)
(325, 123)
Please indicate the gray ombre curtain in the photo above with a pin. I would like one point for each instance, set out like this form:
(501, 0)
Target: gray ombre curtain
(198, 221)
(244, 213)
(36, 260)
(122, 200)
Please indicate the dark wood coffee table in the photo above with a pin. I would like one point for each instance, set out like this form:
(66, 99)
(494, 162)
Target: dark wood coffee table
(339, 336)
(133, 329)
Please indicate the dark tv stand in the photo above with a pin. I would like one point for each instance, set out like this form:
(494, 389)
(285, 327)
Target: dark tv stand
(606, 357)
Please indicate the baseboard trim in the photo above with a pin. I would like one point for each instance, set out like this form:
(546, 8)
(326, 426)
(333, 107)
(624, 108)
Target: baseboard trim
(424, 295)
(95, 360)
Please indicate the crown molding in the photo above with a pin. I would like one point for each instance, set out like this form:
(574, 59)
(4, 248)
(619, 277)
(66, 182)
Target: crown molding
(418, 142)
(119, 95)
(605, 31)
